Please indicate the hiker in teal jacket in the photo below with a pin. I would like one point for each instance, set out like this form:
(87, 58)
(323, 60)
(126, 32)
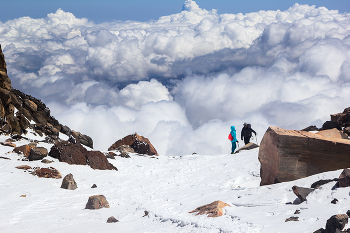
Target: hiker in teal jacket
(234, 139)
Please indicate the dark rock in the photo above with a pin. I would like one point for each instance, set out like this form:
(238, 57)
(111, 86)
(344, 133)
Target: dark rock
(311, 128)
(112, 220)
(97, 202)
(347, 130)
(25, 150)
(321, 230)
(344, 178)
(66, 130)
(94, 186)
(248, 146)
(46, 161)
(138, 143)
(301, 192)
(331, 125)
(68, 182)
(37, 153)
(83, 139)
(2, 157)
(287, 155)
(146, 214)
(48, 173)
(336, 222)
(334, 201)
(292, 219)
(322, 182)
(124, 155)
(71, 153)
(110, 155)
(297, 212)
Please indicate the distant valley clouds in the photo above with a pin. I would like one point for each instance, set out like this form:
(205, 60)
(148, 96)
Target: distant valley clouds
(183, 79)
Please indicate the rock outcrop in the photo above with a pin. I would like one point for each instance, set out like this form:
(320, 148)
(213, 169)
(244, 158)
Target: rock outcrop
(138, 143)
(75, 153)
(214, 209)
(287, 155)
(19, 111)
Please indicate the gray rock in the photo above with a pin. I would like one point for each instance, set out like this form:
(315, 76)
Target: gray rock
(112, 219)
(37, 153)
(69, 182)
(97, 202)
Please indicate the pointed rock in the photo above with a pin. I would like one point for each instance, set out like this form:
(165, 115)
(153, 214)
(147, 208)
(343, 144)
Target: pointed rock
(301, 192)
(68, 182)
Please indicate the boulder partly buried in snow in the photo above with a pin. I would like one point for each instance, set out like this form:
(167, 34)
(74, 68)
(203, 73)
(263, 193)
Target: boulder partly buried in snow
(214, 209)
(138, 143)
(47, 173)
(287, 155)
(97, 202)
(249, 146)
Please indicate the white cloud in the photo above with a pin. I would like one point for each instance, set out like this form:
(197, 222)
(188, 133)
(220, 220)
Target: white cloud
(185, 78)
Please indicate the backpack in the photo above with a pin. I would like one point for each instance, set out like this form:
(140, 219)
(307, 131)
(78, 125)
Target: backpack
(230, 137)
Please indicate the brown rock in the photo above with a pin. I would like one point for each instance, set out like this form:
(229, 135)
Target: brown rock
(248, 146)
(332, 134)
(344, 178)
(68, 182)
(336, 222)
(2, 62)
(30, 105)
(48, 173)
(112, 219)
(72, 153)
(138, 143)
(46, 161)
(301, 192)
(213, 209)
(287, 155)
(110, 155)
(97, 202)
(10, 144)
(24, 167)
(83, 139)
(292, 219)
(125, 148)
(37, 153)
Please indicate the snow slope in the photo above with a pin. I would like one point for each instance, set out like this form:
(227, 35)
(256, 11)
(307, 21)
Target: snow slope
(168, 188)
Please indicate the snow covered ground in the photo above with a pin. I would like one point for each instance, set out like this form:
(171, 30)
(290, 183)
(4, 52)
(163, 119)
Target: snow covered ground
(168, 188)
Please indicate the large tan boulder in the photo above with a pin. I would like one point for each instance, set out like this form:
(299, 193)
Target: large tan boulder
(287, 155)
(214, 209)
(138, 143)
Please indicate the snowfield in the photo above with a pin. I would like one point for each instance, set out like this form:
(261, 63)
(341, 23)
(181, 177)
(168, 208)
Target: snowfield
(168, 188)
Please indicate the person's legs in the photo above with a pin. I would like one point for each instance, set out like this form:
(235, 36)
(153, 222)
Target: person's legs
(233, 147)
(246, 140)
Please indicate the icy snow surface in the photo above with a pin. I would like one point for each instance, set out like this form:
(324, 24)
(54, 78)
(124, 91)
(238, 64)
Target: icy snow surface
(168, 188)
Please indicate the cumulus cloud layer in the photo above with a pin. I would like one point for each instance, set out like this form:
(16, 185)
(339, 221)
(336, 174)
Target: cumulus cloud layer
(183, 79)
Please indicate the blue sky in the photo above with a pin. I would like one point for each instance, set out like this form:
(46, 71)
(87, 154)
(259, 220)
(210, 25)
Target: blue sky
(109, 10)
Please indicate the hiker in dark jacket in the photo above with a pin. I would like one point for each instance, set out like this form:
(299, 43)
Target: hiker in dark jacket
(246, 133)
